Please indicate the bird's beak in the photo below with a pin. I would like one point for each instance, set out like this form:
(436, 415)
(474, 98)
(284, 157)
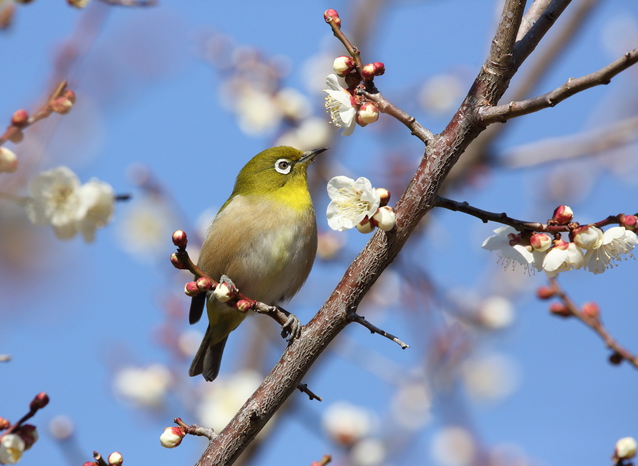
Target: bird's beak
(309, 155)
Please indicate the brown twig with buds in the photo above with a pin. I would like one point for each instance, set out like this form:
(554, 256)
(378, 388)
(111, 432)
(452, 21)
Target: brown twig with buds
(60, 101)
(354, 317)
(38, 402)
(589, 314)
(196, 429)
(324, 461)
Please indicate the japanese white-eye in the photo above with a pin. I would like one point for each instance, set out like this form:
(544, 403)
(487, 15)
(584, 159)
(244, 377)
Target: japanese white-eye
(264, 238)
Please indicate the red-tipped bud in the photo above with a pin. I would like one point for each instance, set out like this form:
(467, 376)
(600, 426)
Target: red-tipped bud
(352, 80)
(591, 310)
(28, 434)
(180, 239)
(332, 16)
(563, 215)
(384, 218)
(90, 463)
(204, 284)
(559, 309)
(191, 289)
(343, 65)
(16, 137)
(365, 226)
(379, 68)
(630, 222)
(116, 459)
(545, 292)
(69, 94)
(540, 241)
(243, 305)
(384, 196)
(20, 118)
(368, 72)
(177, 263)
(4, 423)
(39, 402)
(368, 113)
(172, 437)
(61, 105)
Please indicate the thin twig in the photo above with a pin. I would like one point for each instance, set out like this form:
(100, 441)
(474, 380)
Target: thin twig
(354, 317)
(303, 388)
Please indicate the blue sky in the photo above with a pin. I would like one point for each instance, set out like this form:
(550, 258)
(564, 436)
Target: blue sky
(73, 314)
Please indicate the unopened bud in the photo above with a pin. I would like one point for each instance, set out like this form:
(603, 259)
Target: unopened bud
(78, 3)
(11, 448)
(591, 310)
(69, 94)
(343, 65)
(115, 459)
(588, 237)
(332, 16)
(559, 309)
(384, 218)
(563, 215)
(222, 293)
(384, 196)
(177, 263)
(379, 68)
(368, 71)
(352, 80)
(191, 289)
(180, 239)
(365, 226)
(172, 437)
(630, 222)
(8, 160)
(4, 423)
(243, 305)
(61, 105)
(39, 402)
(615, 358)
(20, 118)
(540, 241)
(625, 448)
(204, 284)
(545, 292)
(28, 434)
(368, 113)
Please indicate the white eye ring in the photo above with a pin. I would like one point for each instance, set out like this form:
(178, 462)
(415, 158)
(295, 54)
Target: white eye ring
(283, 166)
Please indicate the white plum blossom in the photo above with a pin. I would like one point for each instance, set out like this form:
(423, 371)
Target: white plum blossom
(58, 199)
(616, 242)
(339, 105)
(347, 424)
(562, 257)
(351, 201)
(143, 386)
(588, 237)
(508, 242)
(11, 448)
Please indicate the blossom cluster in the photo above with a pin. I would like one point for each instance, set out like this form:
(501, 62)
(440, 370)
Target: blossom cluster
(57, 198)
(589, 247)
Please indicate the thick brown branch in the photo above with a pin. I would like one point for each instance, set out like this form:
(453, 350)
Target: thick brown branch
(572, 86)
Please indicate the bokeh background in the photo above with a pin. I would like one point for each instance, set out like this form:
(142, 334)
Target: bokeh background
(173, 99)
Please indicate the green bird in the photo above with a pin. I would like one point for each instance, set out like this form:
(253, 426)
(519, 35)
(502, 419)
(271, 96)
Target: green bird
(264, 238)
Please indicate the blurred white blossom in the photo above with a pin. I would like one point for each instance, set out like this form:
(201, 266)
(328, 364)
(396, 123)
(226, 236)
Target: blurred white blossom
(11, 448)
(453, 446)
(411, 406)
(346, 424)
(143, 386)
(368, 452)
(490, 377)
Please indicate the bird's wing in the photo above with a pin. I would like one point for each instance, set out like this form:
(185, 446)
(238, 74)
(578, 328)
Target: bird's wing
(197, 308)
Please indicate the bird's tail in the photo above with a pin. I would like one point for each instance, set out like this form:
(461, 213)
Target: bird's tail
(208, 357)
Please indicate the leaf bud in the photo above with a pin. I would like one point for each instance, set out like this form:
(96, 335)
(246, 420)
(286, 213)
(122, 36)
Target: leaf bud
(343, 65)
(615, 358)
(563, 215)
(20, 118)
(191, 289)
(180, 239)
(39, 402)
(331, 15)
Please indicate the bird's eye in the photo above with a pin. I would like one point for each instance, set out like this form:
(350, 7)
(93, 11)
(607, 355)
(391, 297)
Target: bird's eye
(283, 166)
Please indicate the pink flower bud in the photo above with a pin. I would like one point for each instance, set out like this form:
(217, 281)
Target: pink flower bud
(4, 423)
(384, 218)
(39, 402)
(368, 72)
(563, 215)
(20, 118)
(384, 196)
(365, 226)
(28, 434)
(177, 263)
(630, 222)
(222, 293)
(591, 310)
(191, 289)
(379, 68)
(69, 94)
(368, 113)
(243, 305)
(61, 105)
(90, 463)
(180, 239)
(204, 284)
(343, 65)
(545, 292)
(540, 241)
(8, 160)
(172, 437)
(559, 309)
(332, 16)
(115, 459)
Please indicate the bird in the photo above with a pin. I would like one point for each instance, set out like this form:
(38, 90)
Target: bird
(264, 239)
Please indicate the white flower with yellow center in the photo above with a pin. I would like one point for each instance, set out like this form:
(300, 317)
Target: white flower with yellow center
(616, 242)
(562, 257)
(351, 201)
(339, 105)
(511, 250)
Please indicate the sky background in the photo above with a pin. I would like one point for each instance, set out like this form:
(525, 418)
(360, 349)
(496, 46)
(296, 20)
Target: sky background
(150, 106)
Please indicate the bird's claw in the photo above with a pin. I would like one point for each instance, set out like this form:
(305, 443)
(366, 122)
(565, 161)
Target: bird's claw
(225, 279)
(292, 328)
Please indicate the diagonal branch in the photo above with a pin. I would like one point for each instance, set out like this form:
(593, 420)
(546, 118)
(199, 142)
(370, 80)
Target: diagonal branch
(573, 86)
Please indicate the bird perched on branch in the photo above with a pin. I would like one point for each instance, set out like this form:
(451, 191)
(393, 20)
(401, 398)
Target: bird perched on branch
(264, 238)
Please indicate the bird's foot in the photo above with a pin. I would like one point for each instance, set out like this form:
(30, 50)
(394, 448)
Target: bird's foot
(225, 279)
(292, 327)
